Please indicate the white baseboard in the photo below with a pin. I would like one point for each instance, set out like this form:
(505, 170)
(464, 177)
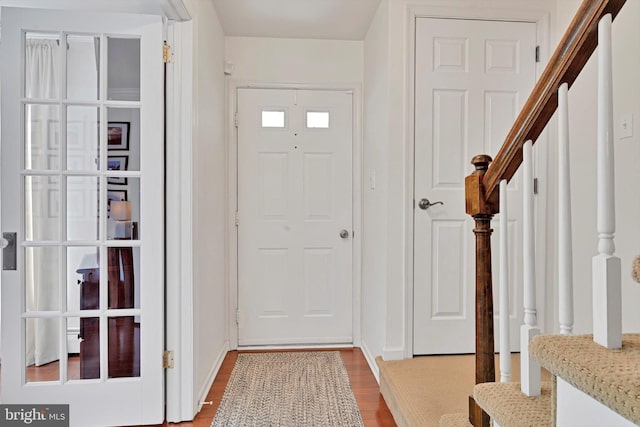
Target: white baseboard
(204, 390)
(371, 361)
(393, 353)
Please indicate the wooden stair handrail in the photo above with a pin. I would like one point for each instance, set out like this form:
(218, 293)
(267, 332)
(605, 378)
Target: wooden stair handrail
(482, 187)
(568, 60)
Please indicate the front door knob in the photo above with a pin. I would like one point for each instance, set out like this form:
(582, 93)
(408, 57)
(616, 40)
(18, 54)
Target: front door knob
(425, 204)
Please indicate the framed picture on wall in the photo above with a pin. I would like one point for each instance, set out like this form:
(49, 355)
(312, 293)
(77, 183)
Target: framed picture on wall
(117, 163)
(118, 136)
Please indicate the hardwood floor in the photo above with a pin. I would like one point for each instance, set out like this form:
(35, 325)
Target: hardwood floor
(365, 388)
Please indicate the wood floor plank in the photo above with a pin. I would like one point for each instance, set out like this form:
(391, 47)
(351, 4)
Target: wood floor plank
(372, 407)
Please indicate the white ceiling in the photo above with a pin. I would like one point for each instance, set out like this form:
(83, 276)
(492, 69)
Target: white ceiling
(310, 19)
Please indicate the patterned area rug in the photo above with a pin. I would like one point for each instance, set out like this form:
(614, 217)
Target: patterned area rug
(292, 389)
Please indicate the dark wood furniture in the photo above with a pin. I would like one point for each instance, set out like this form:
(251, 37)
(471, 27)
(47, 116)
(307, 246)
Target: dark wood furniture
(123, 332)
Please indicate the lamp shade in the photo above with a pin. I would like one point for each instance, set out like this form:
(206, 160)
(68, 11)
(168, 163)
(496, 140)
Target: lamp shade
(120, 210)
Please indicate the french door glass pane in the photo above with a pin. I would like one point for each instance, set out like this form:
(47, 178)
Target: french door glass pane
(83, 278)
(82, 208)
(42, 137)
(42, 66)
(83, 138)
(124, 347)
(124, 276)
(123, 208)
(86, 363)
(42, 273)
(83, 67)
(42, 208)
(123, 142)
(42, 349)
(123, 65)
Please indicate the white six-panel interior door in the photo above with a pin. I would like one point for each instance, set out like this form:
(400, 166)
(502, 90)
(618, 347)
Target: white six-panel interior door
(471, 79)
(294, 216)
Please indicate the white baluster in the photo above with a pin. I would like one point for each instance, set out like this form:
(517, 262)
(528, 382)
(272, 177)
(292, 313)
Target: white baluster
(529, 368)
(565, 253)
(505, 345)
(607, 297)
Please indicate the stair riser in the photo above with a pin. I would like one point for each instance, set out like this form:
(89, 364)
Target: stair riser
(576, 408)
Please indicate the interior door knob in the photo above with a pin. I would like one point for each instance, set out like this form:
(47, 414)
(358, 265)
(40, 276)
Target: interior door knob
(425, 204)
(344, 234)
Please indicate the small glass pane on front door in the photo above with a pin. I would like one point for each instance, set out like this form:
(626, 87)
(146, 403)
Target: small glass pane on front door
(273, 119)
(317, 120)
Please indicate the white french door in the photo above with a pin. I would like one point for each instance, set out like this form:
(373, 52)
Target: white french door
(82, 178)
(472, 77)
(295, 235)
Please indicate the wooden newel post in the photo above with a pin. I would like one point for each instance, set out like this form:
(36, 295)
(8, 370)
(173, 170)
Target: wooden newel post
(482, 211)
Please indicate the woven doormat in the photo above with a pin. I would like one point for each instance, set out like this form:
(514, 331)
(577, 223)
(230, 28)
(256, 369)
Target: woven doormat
(291, 389)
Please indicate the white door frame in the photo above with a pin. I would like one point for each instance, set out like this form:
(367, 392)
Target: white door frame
(468, 9)
(181, 401)
(232, 138)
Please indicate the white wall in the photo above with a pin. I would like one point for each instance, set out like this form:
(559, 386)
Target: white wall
(583, 134)
(376, 131)
(209, 180)
(274, 60)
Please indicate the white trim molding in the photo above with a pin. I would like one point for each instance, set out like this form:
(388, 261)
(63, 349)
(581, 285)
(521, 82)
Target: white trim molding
(180, 399)
(232, 138)
(371, 361)
(211, 376)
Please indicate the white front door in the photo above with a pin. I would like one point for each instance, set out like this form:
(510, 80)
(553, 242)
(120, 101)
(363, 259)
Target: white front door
(472, 77)
(82, 179)
(294, 216)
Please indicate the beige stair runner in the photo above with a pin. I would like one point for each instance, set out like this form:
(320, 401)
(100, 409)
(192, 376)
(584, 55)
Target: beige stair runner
(419, 391)
(455, 420)
(508, 406)
(609, 376)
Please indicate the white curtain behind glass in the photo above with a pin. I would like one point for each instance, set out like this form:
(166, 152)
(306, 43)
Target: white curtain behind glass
(41, 216)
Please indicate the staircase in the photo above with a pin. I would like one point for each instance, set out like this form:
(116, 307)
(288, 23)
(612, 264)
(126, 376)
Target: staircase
(595, 378)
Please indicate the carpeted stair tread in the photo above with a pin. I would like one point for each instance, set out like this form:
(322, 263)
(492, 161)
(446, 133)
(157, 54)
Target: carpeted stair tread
(455, 420)
(509, 407)
(419, 391)
(609, 376)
